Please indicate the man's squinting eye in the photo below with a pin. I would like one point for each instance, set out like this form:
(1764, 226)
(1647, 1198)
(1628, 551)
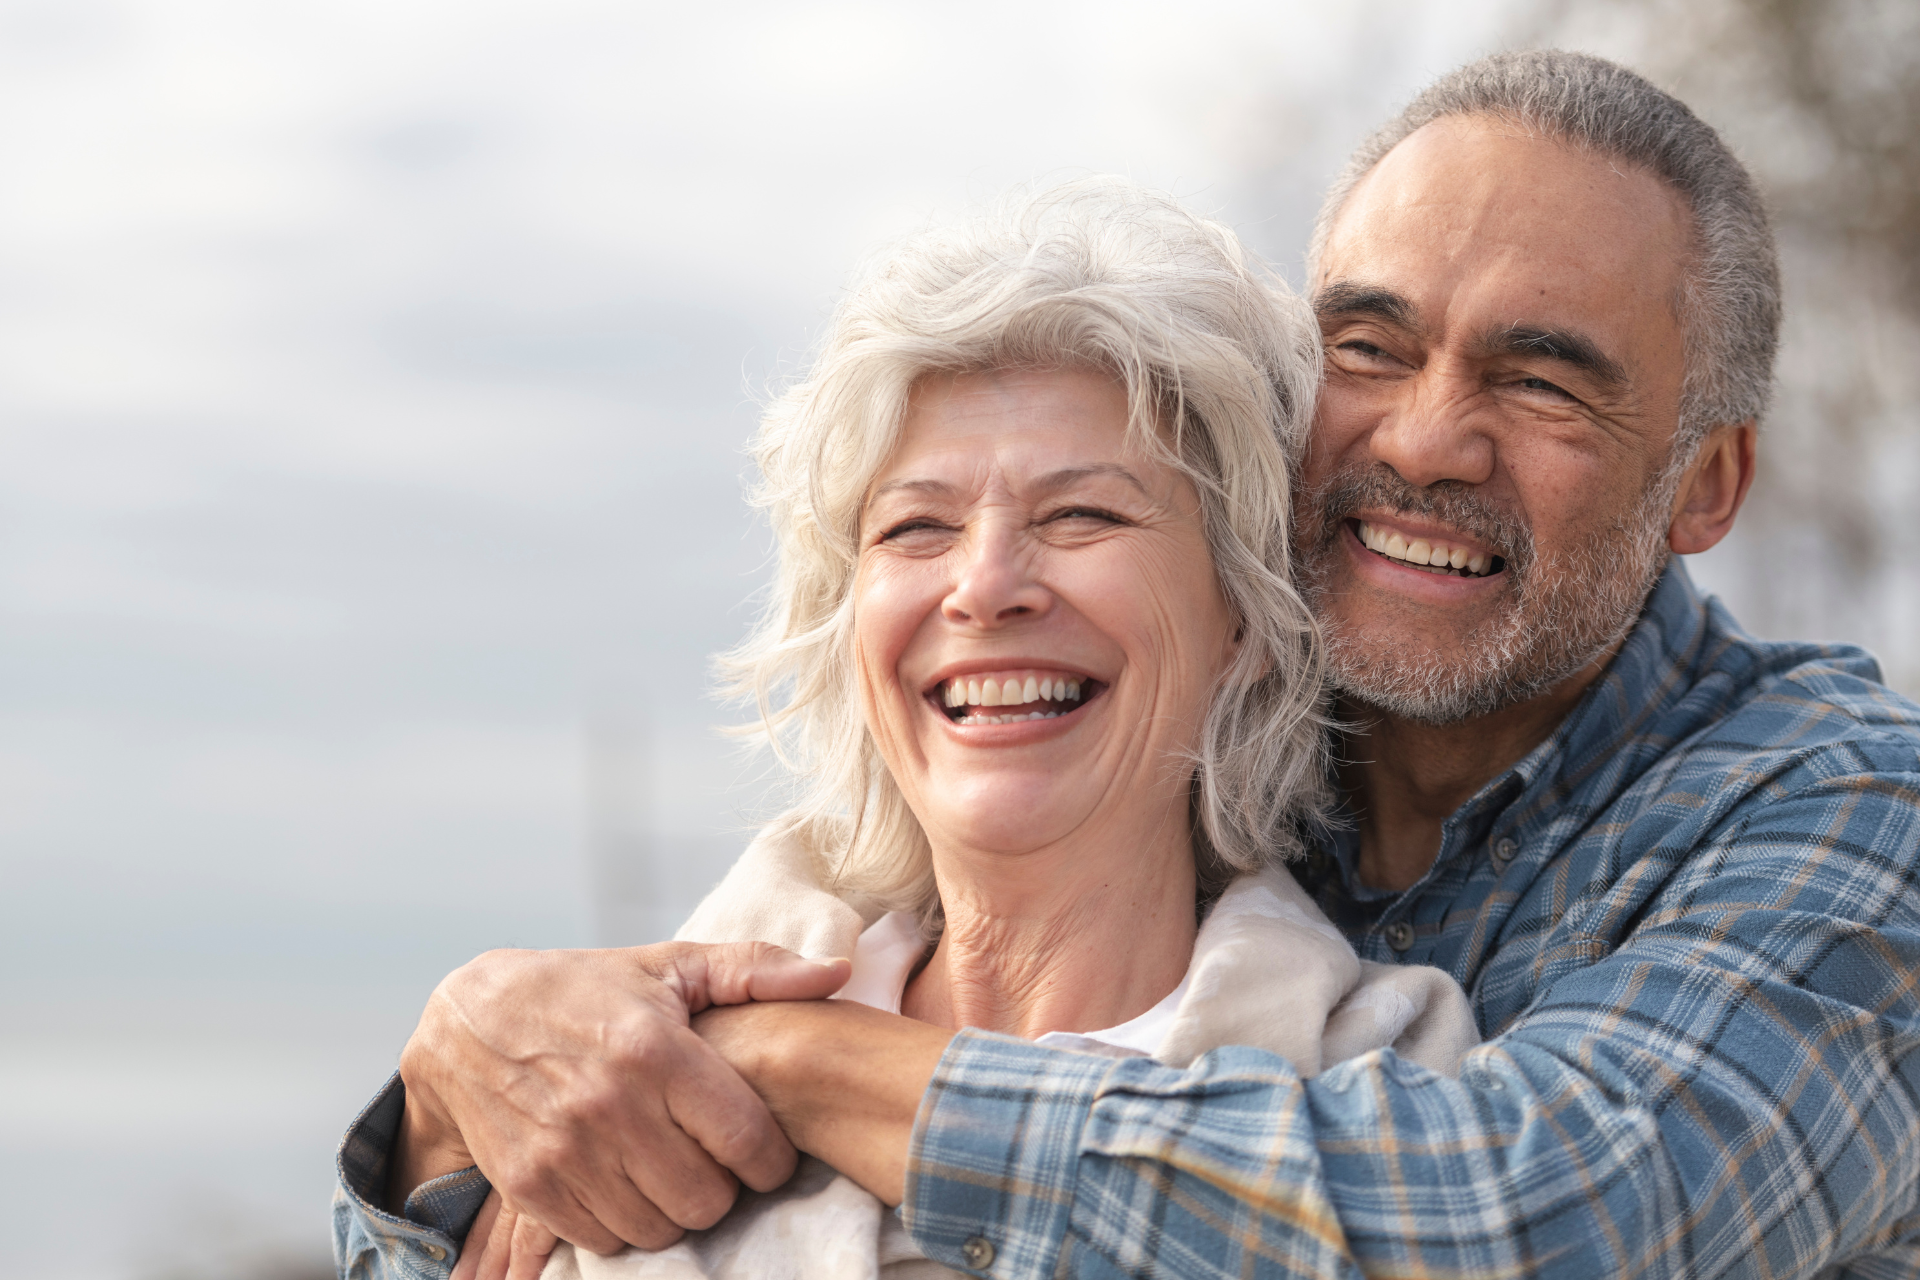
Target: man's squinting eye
(1541, 384)
(1359, 351)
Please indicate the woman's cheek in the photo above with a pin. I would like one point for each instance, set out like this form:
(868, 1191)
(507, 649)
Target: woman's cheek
(892, 604)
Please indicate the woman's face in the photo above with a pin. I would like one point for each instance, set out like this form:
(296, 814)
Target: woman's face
(1019, 560)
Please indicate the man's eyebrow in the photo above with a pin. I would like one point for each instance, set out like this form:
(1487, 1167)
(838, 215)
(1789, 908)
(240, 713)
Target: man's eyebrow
(1348, 298)
(1564, 345)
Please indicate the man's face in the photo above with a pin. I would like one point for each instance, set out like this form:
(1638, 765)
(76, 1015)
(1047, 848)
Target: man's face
(1504, 365)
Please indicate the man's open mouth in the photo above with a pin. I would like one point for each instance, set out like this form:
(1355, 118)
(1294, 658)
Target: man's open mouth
(1429, 555)
(1010, 697)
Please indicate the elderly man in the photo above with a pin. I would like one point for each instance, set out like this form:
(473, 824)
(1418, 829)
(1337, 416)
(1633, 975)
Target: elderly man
(1673, 866)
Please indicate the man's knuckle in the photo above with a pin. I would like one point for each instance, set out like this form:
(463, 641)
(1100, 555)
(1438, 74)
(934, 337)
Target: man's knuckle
(527, 1176)
(654, 1052)
(703, 1205)
(593, 1109)
(658, 1235)
(737, 1144)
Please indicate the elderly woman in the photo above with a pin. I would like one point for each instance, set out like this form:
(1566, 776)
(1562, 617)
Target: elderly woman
(1035, 656)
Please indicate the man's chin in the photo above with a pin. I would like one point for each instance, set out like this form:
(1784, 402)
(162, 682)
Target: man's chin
(1421, 696)
(1447, 679)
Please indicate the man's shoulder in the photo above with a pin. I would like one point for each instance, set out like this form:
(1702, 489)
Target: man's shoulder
(1800, 706)
(1702, 729)
(1775, 732)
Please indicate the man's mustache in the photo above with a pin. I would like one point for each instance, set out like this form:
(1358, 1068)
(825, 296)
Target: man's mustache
(1453, 503)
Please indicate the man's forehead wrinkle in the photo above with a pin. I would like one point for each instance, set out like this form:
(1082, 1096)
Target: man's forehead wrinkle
(1563, 345)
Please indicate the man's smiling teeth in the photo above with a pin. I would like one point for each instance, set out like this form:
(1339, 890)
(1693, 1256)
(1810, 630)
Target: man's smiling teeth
(1423, 553)
(1010, 689)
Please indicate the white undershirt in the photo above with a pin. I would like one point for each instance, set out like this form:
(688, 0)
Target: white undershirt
(888, 949)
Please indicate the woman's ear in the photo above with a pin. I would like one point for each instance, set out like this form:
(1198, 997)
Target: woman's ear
(1711, 492)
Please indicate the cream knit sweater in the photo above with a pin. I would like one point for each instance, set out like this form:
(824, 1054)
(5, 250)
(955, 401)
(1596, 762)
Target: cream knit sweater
(1268, 970)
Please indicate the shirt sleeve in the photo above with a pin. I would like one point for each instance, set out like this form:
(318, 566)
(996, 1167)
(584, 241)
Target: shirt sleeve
(1734, 1089)
(370, 1243)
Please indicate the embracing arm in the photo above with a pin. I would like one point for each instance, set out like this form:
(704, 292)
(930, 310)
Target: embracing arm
(1735, 1088)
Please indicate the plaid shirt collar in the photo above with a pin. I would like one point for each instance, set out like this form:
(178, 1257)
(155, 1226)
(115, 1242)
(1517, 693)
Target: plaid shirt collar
(1624, 723)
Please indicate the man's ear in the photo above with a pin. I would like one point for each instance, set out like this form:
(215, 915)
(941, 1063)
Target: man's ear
(1713, 489)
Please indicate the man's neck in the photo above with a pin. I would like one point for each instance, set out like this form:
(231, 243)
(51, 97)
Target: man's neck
(1404, 779)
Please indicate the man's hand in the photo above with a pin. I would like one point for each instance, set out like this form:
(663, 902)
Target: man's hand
(571, 1078)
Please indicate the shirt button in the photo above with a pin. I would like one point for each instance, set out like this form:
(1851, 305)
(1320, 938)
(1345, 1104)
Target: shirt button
(977, 1252)
(1399, 935)
(435, 1252)
(1504, 851)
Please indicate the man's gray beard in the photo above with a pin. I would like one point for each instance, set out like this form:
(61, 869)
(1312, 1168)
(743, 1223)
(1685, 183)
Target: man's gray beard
(1556, 614)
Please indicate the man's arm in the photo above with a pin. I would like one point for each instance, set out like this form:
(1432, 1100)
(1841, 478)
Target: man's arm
(1735, 1089)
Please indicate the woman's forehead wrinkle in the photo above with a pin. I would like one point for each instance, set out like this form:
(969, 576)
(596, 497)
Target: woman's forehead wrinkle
(1039, 486)
(1067, 477)
(933, 488)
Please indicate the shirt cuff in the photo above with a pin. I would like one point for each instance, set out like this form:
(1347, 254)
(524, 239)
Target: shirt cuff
(425, 1243)
(996, 1149)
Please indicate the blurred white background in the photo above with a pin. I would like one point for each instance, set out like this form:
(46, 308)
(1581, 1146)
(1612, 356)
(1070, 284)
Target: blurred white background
(374, 379)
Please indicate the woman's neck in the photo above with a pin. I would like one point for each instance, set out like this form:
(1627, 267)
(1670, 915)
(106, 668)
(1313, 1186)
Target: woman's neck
(1057, 939)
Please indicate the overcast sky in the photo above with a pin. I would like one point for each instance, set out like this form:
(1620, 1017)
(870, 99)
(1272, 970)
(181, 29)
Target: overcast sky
(373, 385)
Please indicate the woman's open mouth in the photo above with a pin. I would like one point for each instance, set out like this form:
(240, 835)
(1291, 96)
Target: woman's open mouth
(1010, 697)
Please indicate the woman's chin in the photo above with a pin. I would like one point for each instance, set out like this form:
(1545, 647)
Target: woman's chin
(1007, 825)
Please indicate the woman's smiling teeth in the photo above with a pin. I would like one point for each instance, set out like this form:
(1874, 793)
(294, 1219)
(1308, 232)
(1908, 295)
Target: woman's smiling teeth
(1049, 693)
(1430, 554)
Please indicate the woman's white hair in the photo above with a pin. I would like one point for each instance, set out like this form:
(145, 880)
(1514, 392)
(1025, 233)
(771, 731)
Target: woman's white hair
(1220, 363)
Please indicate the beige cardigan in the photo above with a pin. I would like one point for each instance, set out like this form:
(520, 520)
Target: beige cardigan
(1268, 970)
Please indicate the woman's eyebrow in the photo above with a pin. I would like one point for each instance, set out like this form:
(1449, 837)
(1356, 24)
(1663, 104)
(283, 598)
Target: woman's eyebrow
(937, 488)
(1066, 477)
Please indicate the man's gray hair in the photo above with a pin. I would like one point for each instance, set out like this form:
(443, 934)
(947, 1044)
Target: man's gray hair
(1220, 364)
(1730, 309)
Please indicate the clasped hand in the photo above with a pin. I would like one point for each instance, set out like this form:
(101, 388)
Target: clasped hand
(575, 1082)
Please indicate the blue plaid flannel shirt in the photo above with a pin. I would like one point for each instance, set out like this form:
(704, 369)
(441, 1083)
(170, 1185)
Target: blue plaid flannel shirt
(1688, 924)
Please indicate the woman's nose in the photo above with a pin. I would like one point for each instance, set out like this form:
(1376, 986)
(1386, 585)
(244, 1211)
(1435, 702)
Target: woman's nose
(996, 585)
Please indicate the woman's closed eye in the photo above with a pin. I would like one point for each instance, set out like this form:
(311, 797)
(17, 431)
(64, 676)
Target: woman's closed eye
(916, 532)
(1082, 512)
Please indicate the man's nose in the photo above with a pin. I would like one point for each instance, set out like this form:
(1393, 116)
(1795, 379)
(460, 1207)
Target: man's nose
(996, 583)
(1437, 429)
